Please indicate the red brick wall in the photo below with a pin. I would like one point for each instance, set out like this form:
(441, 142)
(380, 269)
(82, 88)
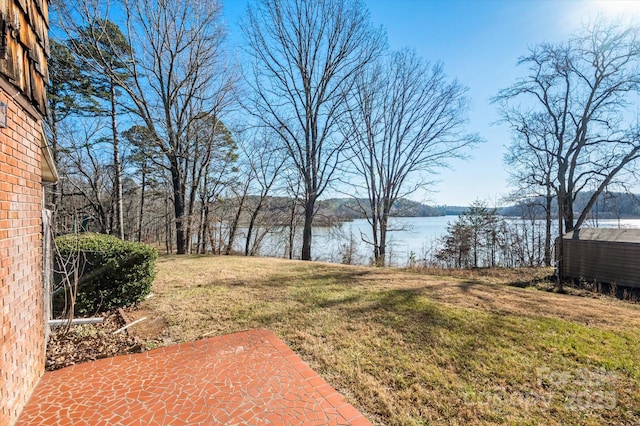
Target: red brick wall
(22, 344)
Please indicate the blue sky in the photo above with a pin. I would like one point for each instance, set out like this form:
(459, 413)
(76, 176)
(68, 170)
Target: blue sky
(479, 43)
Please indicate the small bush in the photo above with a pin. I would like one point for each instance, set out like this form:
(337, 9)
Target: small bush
(112, 273)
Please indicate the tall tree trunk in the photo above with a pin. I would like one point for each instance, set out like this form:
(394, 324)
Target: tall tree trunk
(376, 239)
(220, 231)
(143, 187)
(202, 249)
(547, 229)
(560, 245)
(168, 238)
(119, 225)
(191, 203)
(178, 207)
(200, 239)
(476, 247)
(233, 228)
(567, 210)
(375, 223)
(252, 222)
(292, 228)
(382, 241)
(309, 208)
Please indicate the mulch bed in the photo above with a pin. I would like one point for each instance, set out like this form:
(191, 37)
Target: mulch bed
(83, 343)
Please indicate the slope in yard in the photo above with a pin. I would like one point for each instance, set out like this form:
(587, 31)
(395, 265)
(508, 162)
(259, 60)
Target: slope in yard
(407, 348)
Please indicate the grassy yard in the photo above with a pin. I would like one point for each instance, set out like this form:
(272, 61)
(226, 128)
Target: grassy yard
(410, 349)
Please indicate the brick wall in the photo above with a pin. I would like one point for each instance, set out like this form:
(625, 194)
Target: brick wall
(22, 345)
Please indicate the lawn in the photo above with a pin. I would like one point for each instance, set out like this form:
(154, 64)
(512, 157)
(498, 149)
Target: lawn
(407, 348)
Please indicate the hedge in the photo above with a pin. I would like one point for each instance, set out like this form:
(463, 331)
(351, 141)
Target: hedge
(114, 273)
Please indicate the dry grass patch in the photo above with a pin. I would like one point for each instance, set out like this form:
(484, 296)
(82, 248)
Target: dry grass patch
(408, 348)
(509, 276)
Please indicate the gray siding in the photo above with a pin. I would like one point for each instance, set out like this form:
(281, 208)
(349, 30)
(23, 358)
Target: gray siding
(608, 256)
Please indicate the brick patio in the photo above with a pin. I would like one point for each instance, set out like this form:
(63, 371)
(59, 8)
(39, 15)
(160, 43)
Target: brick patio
(250, 378)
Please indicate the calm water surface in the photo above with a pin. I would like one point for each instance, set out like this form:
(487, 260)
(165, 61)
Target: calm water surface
(415, 236)
(409, 236)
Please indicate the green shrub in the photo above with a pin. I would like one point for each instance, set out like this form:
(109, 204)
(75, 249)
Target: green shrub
(112, 273)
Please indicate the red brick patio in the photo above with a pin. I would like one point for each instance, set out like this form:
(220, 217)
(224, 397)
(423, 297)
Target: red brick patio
(250, 378)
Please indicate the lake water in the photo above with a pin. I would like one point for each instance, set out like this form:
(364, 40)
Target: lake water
(408, 236)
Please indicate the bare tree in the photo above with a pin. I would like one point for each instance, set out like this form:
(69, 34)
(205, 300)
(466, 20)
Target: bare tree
(406, 120)
(215, 172)
(142, 155)
(305, 56)
(264, 165)
(240, 193)
(85, 171)
(586, 90)
(531, 163)
(213, 154)
(178, 75)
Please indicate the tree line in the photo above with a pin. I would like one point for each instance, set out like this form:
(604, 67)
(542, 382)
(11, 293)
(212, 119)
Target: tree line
(483, 236)
(164, 135)
(609, 205)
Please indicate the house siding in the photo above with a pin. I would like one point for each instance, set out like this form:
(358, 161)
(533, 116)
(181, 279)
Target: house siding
(23, 75)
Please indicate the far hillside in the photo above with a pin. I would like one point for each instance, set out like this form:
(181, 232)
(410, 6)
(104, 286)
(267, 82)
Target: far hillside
(349, 209)
(610, 205)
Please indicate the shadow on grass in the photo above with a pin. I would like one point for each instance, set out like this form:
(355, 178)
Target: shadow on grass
(319, 277)
(422, 323)
(580, 288)
(540, 282)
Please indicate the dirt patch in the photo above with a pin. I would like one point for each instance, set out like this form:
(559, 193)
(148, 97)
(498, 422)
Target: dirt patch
(150, 328)
(89, 342)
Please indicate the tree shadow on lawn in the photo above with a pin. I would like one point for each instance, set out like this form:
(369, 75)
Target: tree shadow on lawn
(346, 292)
(320, 277)
(548, 281)
(473, 294)
(422, 322)
(328, 288)
(405, 312)
(403, 331)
